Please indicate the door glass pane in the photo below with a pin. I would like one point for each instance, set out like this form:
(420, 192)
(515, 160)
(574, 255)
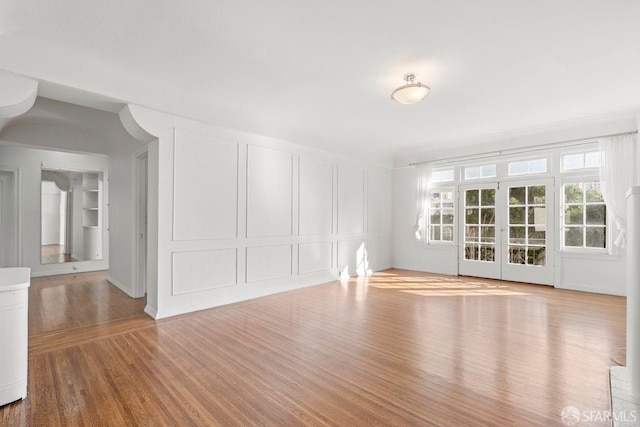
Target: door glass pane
(517, 196)
(488, 216)
(487, 234)
(517, 215)
(472, 216)
(536, 256)
(488, 197)
(472, 197)
(487, 253)
(435, 217)
(517, 255)
(471, 252)
(536, 237)
(538, 216)
(593, 193)
(537, 195)
(517, 236)
(471, 234)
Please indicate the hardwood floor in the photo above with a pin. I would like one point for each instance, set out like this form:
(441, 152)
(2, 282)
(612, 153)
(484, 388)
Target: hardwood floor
(398, 348)
(53, 254)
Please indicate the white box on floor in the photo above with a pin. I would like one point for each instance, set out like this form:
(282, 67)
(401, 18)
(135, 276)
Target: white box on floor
(14, 340)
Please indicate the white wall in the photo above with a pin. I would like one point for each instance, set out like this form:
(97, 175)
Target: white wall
(241, 215)
(30, 162)
(601, 273)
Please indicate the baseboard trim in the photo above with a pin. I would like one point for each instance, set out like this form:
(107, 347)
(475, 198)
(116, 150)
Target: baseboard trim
(118, 284)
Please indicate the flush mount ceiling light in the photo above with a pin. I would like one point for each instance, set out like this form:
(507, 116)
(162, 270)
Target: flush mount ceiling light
(412, 92)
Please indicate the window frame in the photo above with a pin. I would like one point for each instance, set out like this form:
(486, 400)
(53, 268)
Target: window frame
(441, 188)
(581, 178)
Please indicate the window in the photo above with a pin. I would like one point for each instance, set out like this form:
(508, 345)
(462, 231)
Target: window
(442, 175)
(479, 172)
(525, 167)
(585, 216)
(577, 161)
(441, 215)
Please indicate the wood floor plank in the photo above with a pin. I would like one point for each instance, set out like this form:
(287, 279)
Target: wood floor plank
(397, 348)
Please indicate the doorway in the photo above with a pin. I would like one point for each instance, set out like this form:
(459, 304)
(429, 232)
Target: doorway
(141, 168)
(507, 230)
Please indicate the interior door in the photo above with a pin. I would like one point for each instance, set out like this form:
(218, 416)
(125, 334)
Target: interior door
(528, 231)
(478, 218)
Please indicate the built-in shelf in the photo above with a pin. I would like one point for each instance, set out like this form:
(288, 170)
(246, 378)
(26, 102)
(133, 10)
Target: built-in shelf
(91, 215)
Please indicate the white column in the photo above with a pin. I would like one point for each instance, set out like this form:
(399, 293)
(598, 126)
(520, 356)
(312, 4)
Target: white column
(633, 290)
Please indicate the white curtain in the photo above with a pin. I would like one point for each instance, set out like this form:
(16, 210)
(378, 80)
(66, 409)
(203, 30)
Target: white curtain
(616, 176)
(422, 196)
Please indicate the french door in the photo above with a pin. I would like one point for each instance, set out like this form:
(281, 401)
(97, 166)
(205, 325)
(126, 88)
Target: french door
(506, 230)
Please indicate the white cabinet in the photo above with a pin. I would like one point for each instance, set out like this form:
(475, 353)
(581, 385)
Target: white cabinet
(14, 299)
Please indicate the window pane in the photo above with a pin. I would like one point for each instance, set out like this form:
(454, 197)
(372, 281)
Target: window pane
(516, 235)
(487, 234)
(471, 252)
(537, 195)
(573, 215)
(488, 197)
(538, 217)
(487, 253)
(488, 216)
(447, 216)
(472, 216)
(536, 236)
(488, 171)
(517, 168)
(517, 255)
(435, 217)
(593, 192)
(536, 256)
(517, 195)
(537, 166)
(592, 160)
(435, 232)
(596, 237)
(436, 176)
(516, 215)
(435, 200)
(573, 193)
(472, 197)
(447, 175)
(447, 233)
(471, 234)
(472, 172)
(596, 214)
(572, 161)
(573, 237)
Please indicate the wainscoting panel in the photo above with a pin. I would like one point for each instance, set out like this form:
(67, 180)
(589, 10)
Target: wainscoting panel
(314, 257)
(350, 200)
(195, 271)
(205, 197)
(269, 192)
(268, 262)
(315, 197)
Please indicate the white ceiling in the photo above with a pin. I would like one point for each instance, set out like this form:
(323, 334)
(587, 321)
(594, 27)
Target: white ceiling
(320, 73)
